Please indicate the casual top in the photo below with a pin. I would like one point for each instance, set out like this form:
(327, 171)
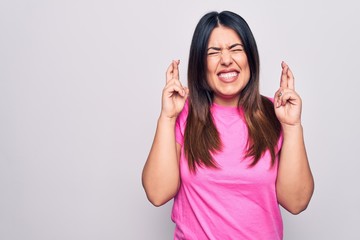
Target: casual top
(234, 201)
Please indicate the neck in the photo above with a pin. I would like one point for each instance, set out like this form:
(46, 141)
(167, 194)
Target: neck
(226, 102)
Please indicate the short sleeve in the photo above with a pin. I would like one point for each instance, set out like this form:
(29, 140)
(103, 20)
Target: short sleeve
(181, 124)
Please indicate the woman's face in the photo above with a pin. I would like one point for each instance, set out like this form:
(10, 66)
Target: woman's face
(228, 70)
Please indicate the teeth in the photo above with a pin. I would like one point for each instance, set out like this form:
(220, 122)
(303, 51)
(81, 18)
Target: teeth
(228, 75)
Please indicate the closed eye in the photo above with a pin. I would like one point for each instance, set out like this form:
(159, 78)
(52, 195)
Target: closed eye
(237, 50)
(213, 53)
(237, 47)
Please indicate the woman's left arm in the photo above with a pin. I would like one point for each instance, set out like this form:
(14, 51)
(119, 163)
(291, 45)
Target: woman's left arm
(295, 183)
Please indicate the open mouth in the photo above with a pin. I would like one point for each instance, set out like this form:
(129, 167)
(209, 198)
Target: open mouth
(228, 76)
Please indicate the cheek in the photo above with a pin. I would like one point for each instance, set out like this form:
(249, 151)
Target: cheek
(242, 61)
(244, 65)
(211, 70)
(211, 66)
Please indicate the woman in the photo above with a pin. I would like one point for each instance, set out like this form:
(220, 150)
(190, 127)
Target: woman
(227, 155)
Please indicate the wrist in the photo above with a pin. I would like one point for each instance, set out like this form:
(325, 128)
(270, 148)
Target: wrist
(163, 118)
(292, 128)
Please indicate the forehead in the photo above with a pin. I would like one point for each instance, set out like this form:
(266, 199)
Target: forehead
(223, 36)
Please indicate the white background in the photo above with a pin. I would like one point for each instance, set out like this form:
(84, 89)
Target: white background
(80, 90)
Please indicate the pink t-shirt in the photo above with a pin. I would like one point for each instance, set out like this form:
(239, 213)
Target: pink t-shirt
(234, 201)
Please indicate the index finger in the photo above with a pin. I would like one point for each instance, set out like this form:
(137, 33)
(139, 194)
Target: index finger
(284, 75)
(169, 72)
(176, 69)
(172, 71)
(291, 80)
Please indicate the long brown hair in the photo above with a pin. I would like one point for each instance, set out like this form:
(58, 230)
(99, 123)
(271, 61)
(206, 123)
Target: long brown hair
(201, 136)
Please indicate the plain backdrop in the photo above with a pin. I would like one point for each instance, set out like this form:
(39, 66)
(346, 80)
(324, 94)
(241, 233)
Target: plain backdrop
(80, 91)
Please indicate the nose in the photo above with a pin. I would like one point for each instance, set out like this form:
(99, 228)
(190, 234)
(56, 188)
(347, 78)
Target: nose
(226, 58)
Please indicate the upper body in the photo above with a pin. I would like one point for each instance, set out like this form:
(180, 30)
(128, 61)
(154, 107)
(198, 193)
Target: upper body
(233, 201)
(224, 71)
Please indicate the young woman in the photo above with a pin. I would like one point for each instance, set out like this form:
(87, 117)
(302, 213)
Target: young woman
(226, 154)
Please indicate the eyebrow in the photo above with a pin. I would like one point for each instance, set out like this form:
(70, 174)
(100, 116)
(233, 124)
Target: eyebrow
(219, 49)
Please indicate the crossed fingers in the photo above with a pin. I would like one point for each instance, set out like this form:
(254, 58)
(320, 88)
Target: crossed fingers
(286, 92)
(173, 84)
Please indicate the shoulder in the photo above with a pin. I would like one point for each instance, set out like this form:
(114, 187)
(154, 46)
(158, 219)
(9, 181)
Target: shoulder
(181, 124)
(268, 105)
(181, 118)
(266, 99)
(185, 111)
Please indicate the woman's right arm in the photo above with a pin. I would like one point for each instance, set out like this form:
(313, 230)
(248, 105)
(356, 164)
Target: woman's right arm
(160, 175)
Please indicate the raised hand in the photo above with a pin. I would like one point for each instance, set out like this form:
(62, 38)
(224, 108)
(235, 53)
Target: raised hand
(174, 94)
(287, 102)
